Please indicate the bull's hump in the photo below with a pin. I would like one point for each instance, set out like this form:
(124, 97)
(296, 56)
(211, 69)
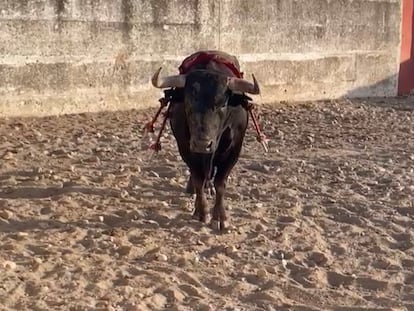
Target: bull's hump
(212, 59)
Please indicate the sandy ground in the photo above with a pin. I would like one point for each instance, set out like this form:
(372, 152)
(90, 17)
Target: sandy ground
(324, 221)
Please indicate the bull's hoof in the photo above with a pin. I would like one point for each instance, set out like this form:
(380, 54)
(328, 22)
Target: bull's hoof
(219, 226)
(199, 216)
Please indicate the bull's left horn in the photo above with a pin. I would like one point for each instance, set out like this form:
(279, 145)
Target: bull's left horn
(170, 81)
(244, 86)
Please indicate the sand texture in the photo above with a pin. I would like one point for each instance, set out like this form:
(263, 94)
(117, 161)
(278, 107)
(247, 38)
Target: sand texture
(89, 220)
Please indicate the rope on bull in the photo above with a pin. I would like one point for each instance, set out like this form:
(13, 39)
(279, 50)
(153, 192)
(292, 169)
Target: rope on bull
(261, 137)
(149, 126)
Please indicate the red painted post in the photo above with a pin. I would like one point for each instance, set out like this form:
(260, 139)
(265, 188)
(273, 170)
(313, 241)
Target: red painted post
(406, 75)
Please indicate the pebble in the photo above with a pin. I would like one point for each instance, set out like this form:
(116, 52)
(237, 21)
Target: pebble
(260, 227)
(176, 295)
(84, 179)
(44, 225)
(8, 156)
(162, 257)
(55, 177)
(319, 258)
(124, 194)
(230, 250)
(21, 235)
(6, 214)
(310, 211)
(9, 265)
(38, 170)
(255, 193)
(101, 218)
(36, 263)
(155, 174)
(204, 307)
(124, 250)
(259, 167)
(157, 301)
(128, 289)
(262, 273)
(151, 222)
(45, 210)
(272, 270)
(286, 219)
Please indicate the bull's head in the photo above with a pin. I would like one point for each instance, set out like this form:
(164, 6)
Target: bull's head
(206, 96)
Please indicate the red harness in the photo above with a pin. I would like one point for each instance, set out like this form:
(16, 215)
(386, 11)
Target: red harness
(205, 57)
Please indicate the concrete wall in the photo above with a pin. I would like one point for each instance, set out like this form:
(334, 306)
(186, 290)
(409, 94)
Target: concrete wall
(59, 56)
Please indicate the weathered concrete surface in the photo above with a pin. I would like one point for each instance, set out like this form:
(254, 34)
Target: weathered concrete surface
(80, 55)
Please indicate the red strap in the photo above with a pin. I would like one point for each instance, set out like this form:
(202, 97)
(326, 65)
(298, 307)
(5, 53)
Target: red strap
(204, 57)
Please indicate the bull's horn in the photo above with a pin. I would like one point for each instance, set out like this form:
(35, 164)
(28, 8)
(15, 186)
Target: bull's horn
(169, 81)
(244, 86)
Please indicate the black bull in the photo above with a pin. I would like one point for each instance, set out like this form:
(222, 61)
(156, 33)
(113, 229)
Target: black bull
(209, 126)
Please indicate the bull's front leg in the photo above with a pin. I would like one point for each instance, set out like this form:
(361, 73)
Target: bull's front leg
(219, 217)
(189, 188)
(201, 205)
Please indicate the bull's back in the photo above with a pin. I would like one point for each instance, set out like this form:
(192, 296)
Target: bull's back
(218, 63)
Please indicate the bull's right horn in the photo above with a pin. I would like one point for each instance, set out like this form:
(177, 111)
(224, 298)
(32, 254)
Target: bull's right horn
(244, 86)
(169, 81)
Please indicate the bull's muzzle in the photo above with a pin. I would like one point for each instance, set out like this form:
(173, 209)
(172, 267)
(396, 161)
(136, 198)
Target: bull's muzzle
(201, 145)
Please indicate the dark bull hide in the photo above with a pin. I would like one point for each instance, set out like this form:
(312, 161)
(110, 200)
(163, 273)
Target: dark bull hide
(209, 125)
